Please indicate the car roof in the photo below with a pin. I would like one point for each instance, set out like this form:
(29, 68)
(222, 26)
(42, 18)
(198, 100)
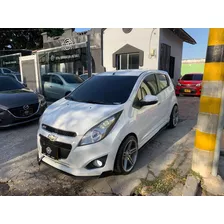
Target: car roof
(130, 72)
(58, 73)
(196, 73)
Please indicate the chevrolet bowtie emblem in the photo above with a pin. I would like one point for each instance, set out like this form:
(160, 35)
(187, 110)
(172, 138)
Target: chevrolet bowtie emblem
(52, 137)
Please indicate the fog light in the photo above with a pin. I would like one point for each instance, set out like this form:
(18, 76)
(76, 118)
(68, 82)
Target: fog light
(97, 163)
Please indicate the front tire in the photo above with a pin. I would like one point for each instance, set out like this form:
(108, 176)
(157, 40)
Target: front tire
(126, 156)
(174, 117)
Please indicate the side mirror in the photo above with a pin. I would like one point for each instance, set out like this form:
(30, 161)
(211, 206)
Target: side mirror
(149, 100)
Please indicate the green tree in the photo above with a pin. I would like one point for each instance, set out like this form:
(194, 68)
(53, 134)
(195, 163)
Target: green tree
(21, 38)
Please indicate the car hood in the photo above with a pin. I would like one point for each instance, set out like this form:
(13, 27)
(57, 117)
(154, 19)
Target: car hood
(17, 98)
(192, 82)
(76, 116)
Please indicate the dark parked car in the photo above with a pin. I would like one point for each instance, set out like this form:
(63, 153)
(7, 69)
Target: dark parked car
(18, 104)
(84, 77)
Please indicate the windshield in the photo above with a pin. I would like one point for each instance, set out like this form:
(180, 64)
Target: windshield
(194, 77)
(72, 79)
(104, 90)
(7, 83)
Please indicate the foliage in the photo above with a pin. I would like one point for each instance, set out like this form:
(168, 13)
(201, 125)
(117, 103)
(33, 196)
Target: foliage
(21, 38)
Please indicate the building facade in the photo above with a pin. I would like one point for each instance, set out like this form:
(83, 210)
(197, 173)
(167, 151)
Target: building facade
(124, 48)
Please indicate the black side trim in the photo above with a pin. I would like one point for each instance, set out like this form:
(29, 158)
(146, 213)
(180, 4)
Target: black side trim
(215, 54)
(58, 131)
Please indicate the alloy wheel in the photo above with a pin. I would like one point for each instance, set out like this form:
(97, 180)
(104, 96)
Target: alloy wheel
(130, 155)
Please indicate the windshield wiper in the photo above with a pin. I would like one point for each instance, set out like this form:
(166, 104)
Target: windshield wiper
(94, 102)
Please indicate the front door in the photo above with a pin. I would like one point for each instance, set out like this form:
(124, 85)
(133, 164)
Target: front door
(164, 97)
(57, 87)
(147, 117)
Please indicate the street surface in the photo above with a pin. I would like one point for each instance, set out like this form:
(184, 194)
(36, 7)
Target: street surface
(22, 175)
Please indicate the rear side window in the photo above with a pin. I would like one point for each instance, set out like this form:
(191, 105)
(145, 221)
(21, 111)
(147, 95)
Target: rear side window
(162, 81)
(6, 70)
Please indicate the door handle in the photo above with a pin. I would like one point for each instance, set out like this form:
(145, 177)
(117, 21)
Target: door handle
(159, 103)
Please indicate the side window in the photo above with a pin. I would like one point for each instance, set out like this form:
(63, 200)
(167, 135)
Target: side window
(162, 81)
(152, 84)
(46, 78)
(56, 80)
(6, 70)
(143, 90)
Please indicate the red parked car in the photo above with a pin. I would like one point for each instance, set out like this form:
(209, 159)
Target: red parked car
(189, 84)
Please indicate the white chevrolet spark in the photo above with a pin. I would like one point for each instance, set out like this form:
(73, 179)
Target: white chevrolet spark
(102, 124)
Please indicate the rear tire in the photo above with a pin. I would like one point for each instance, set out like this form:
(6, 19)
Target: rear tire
(174, 117)
(126, 156)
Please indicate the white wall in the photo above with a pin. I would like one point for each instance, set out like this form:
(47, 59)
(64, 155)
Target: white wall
(115, 38)
(167, 37)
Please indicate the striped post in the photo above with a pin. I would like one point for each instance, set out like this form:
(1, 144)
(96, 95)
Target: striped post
(210, 118)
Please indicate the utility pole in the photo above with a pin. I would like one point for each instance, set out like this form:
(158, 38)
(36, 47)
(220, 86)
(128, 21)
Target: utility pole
(89, 58)
(210, 118)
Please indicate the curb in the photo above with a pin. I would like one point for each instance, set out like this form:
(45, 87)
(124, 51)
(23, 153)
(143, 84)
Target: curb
(191, 186)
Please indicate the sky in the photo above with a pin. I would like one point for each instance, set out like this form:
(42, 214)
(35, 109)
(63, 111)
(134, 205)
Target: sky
(189, 51)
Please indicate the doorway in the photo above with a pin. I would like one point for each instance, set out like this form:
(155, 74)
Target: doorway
(171, 67)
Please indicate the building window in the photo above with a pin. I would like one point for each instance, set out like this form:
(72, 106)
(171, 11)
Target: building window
(127, 61)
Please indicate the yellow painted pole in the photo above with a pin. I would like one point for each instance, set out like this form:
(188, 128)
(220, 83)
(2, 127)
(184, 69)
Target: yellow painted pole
(210, 118)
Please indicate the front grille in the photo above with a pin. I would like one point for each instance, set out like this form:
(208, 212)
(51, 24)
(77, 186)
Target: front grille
(63, 148)
(21, 112)
(58, 131)
(188, 85)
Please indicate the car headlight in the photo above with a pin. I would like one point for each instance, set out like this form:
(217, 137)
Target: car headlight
(178, 84)
(41, 100)
(199, 84)
(100, 131)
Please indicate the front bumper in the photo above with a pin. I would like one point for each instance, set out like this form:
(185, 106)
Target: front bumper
(80, 156)
(7, 119)
(193, 91)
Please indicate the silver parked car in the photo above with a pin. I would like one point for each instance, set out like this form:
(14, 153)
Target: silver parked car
(58, 85)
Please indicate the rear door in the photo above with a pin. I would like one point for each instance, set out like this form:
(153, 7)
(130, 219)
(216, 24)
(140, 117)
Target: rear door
(164, 96)
(46, 83)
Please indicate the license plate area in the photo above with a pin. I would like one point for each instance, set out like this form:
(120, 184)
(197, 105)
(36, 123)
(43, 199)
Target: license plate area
(50, 151)
(187, 90)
